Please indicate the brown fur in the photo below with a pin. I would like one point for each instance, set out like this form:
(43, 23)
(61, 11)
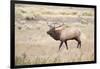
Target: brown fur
(64, 34)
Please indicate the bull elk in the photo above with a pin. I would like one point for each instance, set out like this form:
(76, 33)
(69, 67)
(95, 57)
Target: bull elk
(64, 34)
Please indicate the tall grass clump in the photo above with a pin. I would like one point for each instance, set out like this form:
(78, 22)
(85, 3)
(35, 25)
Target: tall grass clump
(23, 60)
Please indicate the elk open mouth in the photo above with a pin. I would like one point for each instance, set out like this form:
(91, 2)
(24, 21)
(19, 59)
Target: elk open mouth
(48, 32)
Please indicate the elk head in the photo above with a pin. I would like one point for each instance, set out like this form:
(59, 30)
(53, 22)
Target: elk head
(55, 34)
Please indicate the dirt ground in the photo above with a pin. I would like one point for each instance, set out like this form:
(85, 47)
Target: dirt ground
(32, 40)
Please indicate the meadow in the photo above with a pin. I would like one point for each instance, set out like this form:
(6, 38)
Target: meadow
(34, 46)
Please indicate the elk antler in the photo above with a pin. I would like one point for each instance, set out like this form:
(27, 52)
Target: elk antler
(50, 25)
(54, 24)
(60, 25)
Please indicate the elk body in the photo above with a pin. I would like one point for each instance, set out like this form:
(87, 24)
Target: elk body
(65, 34)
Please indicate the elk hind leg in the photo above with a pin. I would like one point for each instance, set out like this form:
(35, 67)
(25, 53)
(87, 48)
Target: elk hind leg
(79, 43)
(66, 44)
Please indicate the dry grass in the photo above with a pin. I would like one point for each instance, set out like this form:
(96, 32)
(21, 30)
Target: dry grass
(34, 46)
(36, 60)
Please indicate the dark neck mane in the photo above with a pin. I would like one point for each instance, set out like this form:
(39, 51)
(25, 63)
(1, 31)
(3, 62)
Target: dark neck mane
(56, 35)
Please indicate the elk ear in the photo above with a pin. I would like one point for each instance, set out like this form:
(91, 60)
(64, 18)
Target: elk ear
(53, 28)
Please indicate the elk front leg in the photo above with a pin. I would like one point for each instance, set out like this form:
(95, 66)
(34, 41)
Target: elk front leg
(60, 44)
(66, 44)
